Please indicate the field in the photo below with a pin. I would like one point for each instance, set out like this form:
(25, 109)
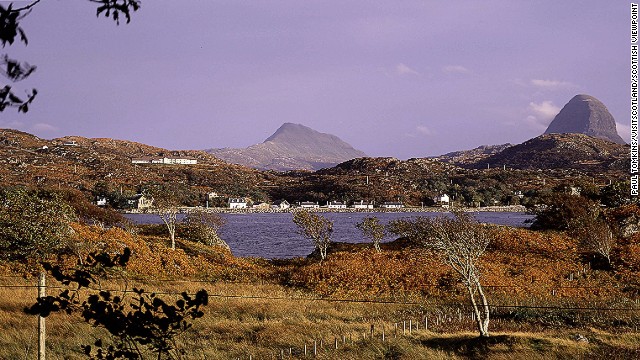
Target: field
(548, 302)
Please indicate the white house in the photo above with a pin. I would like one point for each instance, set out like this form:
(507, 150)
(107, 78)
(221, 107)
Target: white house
(182, 160)
(281, 204)
(101, 201)
(362, 205)
(336, 205)
(237, 203)
(392, 205)
(140, 201)
(309, 205)
(442, 200)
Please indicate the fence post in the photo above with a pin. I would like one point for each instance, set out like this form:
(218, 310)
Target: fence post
(42, 330)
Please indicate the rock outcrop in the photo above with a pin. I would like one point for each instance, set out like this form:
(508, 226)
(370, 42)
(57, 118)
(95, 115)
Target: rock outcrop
(587, 115)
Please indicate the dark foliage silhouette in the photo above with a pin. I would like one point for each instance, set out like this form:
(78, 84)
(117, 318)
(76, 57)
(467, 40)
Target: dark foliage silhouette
(11, 31)
(143, 324)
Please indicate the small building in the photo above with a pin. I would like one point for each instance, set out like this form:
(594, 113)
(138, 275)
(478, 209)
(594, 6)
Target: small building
(362, 205)
(309, 205)
(441, 200)
(262, 206)
(281, 204)
(101, 201)
(392, 205)
(140, 201)
(213, 195)
(142, 160)
(237, 203)
(70, 143)
(336, 205)
(180, 160)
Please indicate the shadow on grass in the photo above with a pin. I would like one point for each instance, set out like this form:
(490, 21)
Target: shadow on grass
(472, 347)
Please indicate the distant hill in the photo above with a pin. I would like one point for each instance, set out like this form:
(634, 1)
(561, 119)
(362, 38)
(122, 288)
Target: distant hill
(562, 151)
(587, 115)
(28, 160)
(467, 157)
(292, 147)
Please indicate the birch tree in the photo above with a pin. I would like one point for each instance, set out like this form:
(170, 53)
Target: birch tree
(315, 227)
(372, 229)
(460, 241)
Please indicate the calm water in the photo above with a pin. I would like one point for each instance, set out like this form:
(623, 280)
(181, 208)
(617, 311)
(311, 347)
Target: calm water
(275, 235)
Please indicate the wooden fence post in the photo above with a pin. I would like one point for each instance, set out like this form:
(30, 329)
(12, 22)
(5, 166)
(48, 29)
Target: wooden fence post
(42, 331)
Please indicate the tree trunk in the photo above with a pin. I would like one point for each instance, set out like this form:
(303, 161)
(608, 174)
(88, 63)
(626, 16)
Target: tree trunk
(481, 311)
(484, 328)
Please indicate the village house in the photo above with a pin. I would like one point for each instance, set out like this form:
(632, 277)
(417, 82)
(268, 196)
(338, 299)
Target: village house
(336, 205)
(181, 160)
(140, 201)
(441, 200)
(362, 205)
(237, 203)
(392, 205)
(281, 204)
(309, 205)
(101, 201)
(262, 206)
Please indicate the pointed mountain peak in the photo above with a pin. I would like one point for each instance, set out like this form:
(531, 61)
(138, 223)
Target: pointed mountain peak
(292, 146)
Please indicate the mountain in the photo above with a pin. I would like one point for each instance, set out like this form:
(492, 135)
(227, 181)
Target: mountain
(466, 157)
(562, 151)
(587, 115)
(292, 147)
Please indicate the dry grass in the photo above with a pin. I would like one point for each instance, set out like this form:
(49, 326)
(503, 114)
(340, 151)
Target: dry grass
(238, 327)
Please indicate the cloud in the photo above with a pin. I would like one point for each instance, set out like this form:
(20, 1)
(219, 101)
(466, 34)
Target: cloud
(403, 70)
(552, 84)
(419, 130)
(455, 69)
(43, 127)
(423, 130)
(541, 115)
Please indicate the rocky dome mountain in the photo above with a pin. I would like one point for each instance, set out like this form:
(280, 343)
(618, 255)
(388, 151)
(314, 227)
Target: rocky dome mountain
(292, 147)
(562, 151)
(587, 115)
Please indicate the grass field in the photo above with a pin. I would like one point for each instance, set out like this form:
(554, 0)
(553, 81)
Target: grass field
(267, 321)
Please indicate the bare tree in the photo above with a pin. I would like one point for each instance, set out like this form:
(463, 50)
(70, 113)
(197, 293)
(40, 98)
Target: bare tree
(202, 226)
(372, 229)
(461, 242)
(596, 236)
(315, 227)
(165, 204)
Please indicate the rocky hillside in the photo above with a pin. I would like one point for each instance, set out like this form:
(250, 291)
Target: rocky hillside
(562, 151)
(467, 157)
(292, 147)
(587, 115)
(28, 160)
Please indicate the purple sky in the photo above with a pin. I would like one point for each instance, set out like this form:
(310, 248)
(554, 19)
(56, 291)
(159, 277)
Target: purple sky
(392, 78)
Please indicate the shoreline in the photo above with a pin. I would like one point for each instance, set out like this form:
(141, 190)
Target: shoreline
(186, 210)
